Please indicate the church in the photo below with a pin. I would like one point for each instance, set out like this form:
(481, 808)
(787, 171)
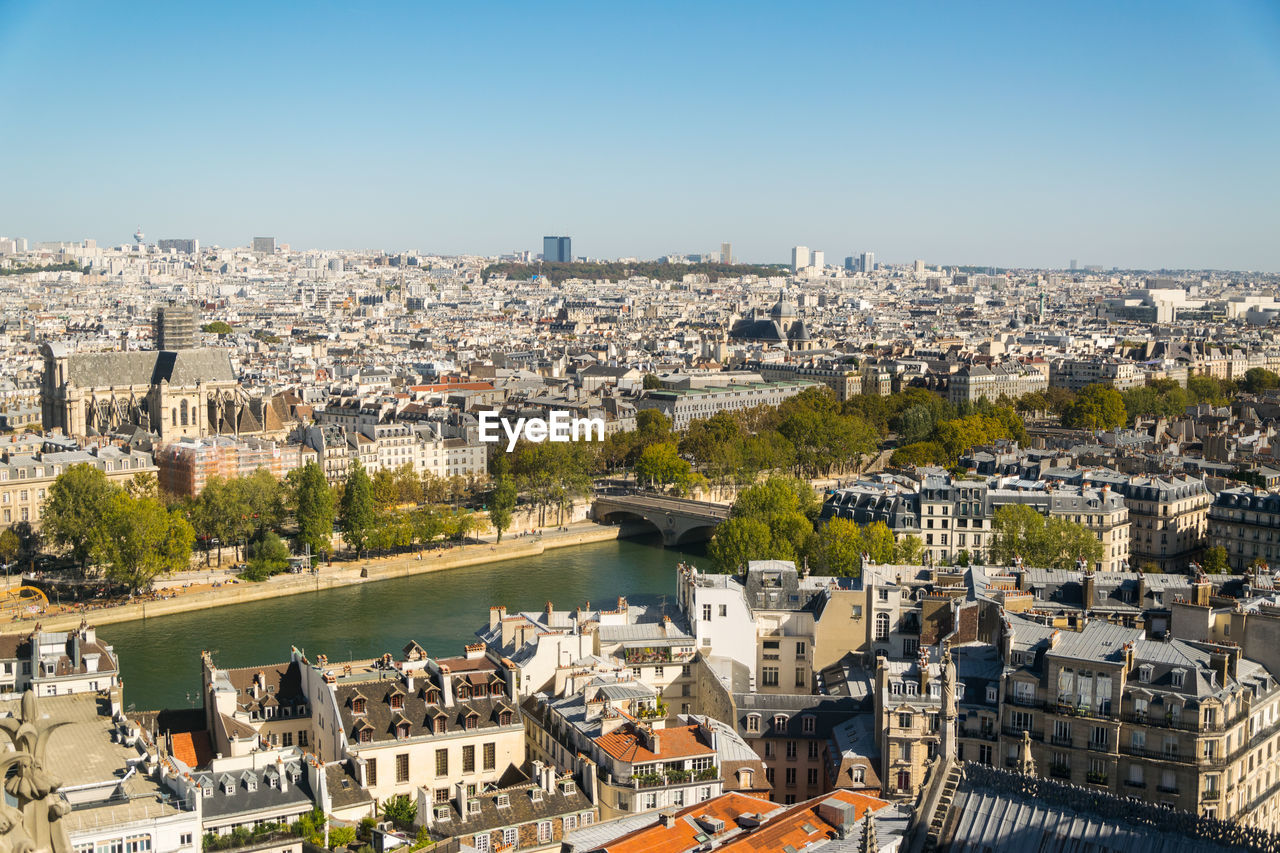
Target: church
(187, 393)
(782, 326)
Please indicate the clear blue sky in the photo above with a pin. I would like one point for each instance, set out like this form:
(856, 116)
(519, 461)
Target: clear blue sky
(1131, 134)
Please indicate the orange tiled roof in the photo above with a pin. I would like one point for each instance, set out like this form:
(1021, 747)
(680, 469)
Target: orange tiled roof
(192, 748)
(624, 744)
(786, 828)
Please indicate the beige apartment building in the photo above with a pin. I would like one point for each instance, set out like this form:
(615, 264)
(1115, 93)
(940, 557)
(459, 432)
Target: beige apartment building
(1168, 517)
(25, 479)
(1193, 726)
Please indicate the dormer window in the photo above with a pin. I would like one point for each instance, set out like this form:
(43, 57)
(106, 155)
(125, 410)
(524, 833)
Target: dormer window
(504, 718)
(357, 705)
(251, 783)
(504, 801)
(397, 701)
(1177, 677)
(433, 696)
(1145, 672)
(993, 693)
(402, 730)
(566, 787)
(535, 794)
(437, 725)
(366, 736)
(809, 724)
(442, 814)
(464, 692)
(472, 720)
(780, 721)
(206, 790)
(753, 723)
(474, 807)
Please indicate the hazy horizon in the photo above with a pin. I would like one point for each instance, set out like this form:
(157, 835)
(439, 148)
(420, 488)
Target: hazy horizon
(1140, 136)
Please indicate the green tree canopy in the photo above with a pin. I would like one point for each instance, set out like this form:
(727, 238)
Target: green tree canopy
(1215, 561)
(137, 540)
(217, 327)
(313, 508)
(356, 512)
(267, 556)
(1259, 379)
(1019, 530)
(661, 465)
(1097, 406)
(77, 501)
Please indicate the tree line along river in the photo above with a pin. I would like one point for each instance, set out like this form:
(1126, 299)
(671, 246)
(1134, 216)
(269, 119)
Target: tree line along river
(160, 657)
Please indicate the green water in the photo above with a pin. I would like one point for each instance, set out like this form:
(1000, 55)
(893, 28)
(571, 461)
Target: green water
(160, 657)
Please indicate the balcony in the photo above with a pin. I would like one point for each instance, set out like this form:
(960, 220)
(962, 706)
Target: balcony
(1063, 709)
(1096, 778)
(978, 734)
(1060, 771)
(1166, 790)
(1099, 746)
(653, 654)
(1060, 740)
(1211, 795)
(1156, 754)
(674, 777)
(1016, 732)
(1022, 701)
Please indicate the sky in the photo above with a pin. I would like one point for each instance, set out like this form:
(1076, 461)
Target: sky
(1137, 134)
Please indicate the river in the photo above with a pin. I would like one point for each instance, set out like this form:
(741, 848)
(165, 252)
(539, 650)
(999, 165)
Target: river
(160, 657)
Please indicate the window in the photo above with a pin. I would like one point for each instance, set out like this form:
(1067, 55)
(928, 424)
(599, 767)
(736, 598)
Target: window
(286, 739)
(792, 749)
(813, 749)
(779, 721)
(442, 762)
(302, 738)
(1176, 676)
(397, 701)
(441, 796)
(357, 705)
(570, 823)
(366, 735)
(809, 723)
(812, 776)
(859, 775)
(706, 612)
(800, 649)
(137, 844)
(490, 756)
(544, 831)
(791, 777)
(904, 721)
(769, 676)
(882, 626)
(371, 771)
(724, 610)
(753, 723)
(184, 840)
(481, 842)
(402, 768)
(469, 758)
(510, 836)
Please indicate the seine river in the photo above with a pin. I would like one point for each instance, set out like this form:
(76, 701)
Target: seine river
(160, 657)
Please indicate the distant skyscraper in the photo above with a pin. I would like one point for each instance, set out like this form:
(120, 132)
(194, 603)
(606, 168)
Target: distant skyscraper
(176, 327)
(799, 258)
(919, 266)
(1073, 265)
(185, 245)
(264, 245)
(819, 260)
(868, 262)
(851, 264)
(726, 253)
(557, 250)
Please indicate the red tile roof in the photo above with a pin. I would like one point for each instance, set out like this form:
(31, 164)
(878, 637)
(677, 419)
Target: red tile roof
(625, 744)
(192, 748)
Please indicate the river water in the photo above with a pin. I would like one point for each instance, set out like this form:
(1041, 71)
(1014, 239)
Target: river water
(160, 657)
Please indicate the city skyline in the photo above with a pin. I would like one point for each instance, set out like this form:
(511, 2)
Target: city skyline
(1135, 138)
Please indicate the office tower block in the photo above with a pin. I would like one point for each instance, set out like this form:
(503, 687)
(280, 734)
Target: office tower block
(176, 326)
(726, 253)
(264, 245)
(851, 264)
(799, 258)
(868, 263)
(819, 260)
(557, 250)
(183, 245)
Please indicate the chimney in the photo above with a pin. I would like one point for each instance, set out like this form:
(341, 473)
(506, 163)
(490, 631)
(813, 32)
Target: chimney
(460, 798)
(496, 615)
(1088, 584)
(548, 609)
(1220, 663)
(284, 777)
(1200, 592)
(446, 686)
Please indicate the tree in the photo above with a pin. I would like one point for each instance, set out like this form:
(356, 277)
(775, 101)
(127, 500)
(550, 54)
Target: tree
(356, 512)
(738, 541)
(313, 508)
(1215, 561)
(661, 465)
(922, 454)
(267, 556)
(77, 501)
(143, 485)
(1019, 530)
(503, 502)
(384, 489)
(1097, 406)
(1259, 379)
(10, 546)
(263, 498)
(651, 382)
(400, 810)
(217, 327)
(221, 513)
(138, 540)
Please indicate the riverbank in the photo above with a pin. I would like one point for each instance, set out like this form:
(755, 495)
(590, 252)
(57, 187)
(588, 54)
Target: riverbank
(329, 577)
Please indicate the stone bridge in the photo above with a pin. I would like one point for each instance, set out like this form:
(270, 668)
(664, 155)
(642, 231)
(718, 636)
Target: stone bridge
(678, 520)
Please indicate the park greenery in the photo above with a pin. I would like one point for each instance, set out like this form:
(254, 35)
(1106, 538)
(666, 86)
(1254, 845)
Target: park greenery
(217, 327)
(556, 272)
(64, 266)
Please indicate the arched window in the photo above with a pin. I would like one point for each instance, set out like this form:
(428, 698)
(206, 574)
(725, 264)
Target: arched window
(175, 416)
(882, 626)
(184, 412)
